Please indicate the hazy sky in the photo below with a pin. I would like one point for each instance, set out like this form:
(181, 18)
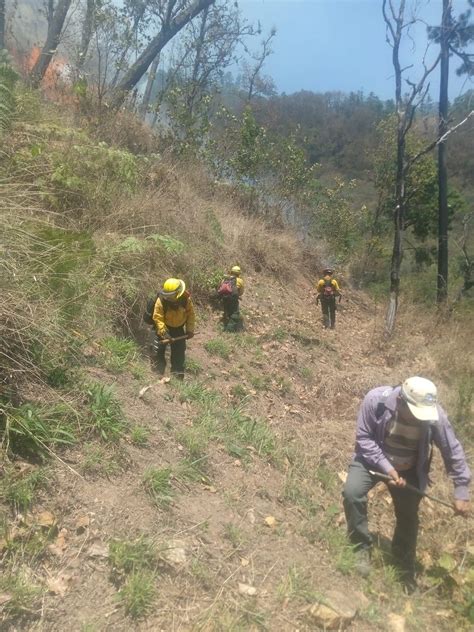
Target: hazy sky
(340, 44)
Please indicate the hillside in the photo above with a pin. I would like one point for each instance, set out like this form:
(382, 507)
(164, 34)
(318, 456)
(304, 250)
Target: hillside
(212, 504)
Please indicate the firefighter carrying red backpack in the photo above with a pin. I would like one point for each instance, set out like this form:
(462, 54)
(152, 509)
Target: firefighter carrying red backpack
(327, 291)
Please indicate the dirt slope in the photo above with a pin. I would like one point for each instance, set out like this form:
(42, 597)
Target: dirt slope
(257, 443)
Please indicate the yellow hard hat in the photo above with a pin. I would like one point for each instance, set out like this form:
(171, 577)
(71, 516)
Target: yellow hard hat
(173, 288)
(235, 270)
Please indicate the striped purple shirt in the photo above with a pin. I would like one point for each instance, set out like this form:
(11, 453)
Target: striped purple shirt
(375, 414)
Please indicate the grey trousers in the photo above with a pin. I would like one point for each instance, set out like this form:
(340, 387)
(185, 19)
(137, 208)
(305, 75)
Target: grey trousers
(405, 503)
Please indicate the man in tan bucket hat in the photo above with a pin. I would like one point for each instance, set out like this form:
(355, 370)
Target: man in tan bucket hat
(396, 428)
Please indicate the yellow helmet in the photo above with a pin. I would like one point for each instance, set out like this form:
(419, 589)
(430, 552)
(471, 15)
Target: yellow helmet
(173, 289)
(235, 270)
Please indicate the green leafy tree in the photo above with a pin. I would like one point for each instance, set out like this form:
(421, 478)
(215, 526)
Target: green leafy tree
(420, 185)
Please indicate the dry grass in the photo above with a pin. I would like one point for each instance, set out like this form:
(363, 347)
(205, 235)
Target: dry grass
(210, 226)
(24, 322)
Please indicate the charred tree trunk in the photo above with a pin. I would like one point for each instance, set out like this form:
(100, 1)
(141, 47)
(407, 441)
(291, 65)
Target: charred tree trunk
(443, 215)
(53, 38)
(169, 30)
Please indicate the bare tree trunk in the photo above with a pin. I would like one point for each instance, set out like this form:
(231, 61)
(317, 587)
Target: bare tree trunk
(399, 212)
(2, 24)
(86, 35)
(52, 41)
(149, 86)
(139, 68)
(443, 215)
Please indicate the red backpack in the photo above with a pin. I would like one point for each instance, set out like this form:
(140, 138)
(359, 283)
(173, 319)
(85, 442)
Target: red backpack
(228, 287)
(328, 290)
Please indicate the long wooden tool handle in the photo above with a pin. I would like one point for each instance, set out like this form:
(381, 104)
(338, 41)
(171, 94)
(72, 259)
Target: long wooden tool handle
(412, 488)
(167, 341)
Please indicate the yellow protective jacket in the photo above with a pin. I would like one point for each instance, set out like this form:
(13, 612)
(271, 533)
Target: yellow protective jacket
(240, 285)
(322, 283)
(174, 316)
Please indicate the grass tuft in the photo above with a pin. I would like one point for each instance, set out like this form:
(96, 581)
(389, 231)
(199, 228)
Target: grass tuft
(253, 432)
(139, 435)
(127, 556)
(106, 417)
(195, 440)
(218, 347)
(19, 489)
(193, 366)
(99, 460)
(22, 593)
(31, 429)
(157, 484)
(138, 593)
(196, 392)
(119, 353)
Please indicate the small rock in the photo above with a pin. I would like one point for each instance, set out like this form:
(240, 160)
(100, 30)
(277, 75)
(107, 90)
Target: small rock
(98, 550)
(396, 623)
(338, 609)
(246, 589)
(175, 553)
(45, 519)
(270, 521)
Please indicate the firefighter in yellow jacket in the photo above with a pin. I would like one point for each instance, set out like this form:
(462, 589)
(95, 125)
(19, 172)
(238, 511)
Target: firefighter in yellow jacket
(327, 291)
(230, 291)
(173, 317)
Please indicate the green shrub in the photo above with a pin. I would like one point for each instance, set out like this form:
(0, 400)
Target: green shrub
(167, 243)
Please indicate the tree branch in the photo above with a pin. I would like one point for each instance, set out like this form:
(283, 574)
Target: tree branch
(438, 141)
